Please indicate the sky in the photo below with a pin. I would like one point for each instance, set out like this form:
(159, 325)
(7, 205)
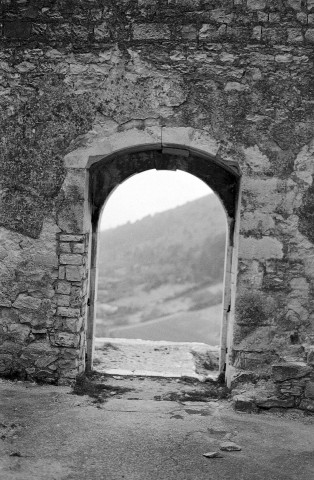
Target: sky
(148, 193)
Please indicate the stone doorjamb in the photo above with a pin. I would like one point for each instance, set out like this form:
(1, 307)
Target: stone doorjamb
(105, 145)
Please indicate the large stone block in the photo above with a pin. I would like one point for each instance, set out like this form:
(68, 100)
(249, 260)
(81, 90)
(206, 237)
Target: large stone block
(6, 363)
(309, 390)
(256, 4)
(78, 248)
(310, 356)
(18, 332)
(262, 195)
(257, 223)
(66, 339)
(244, 403)
(63, 287)
(27, 302)
(151, 31)
(45, 360)
(295, 4)
(72, 325)
(63, 300)
(71, 259)
(72, 238)
(286, 371)
(65, 247)
(75, 273)
(68, 312)
(271, 402)
(260, 248)
(307, 404)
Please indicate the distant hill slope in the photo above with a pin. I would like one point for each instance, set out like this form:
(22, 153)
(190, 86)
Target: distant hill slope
(162, 275)
(184, 244)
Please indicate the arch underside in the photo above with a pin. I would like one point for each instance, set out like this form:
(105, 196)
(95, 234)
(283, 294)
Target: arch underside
(107, 174)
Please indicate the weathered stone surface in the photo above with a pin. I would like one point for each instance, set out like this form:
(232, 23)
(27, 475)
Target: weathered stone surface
(61, 272)
(44, 361)
(309, 390)
(150, 31)
(72, 238)
(307, 404)
(264, 248)
(70, 259)
(24, 301)
(74, 273)
(310, 356)
(73, 325)
(244, 403)
(286, 371)
(256, 160)
(65, 247)
(78, 248)
(230, 447)
(63, 300)
(242, 98)
(6, 363)
(63, 288)
(309, 35)
(65, 339)
(271, 402)
(68, 312)
(4, 301)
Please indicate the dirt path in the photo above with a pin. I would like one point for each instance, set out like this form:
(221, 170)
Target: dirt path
(145, 429)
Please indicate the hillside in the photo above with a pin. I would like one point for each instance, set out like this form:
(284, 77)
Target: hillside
(161, 265)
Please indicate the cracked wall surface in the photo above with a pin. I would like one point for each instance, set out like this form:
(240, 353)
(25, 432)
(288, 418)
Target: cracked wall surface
(77, 76)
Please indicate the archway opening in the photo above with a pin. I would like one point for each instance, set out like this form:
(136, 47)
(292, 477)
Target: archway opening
(160, 276)
(106, 175)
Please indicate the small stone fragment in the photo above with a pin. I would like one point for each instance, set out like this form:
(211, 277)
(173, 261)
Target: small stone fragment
(212, 455)
(15, 454)
(229, 447)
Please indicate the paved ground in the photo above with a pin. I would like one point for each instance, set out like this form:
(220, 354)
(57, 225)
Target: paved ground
(155, 358)
(49, 434)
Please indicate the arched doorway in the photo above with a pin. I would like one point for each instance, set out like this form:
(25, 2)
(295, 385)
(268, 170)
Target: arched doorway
(109, 172)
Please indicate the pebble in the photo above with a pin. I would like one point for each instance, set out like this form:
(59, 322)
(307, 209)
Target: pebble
(212, 455)
(229, 447)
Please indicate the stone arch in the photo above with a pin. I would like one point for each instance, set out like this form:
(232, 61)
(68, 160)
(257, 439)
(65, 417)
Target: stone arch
(106, 160)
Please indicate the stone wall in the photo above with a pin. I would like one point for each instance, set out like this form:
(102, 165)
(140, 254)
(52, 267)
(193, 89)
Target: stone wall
(75, 73)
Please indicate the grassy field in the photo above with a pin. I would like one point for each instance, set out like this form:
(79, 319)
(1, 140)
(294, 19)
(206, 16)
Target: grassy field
(191, 326)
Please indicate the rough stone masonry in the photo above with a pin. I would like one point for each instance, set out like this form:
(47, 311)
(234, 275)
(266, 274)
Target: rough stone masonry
(236, 75)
